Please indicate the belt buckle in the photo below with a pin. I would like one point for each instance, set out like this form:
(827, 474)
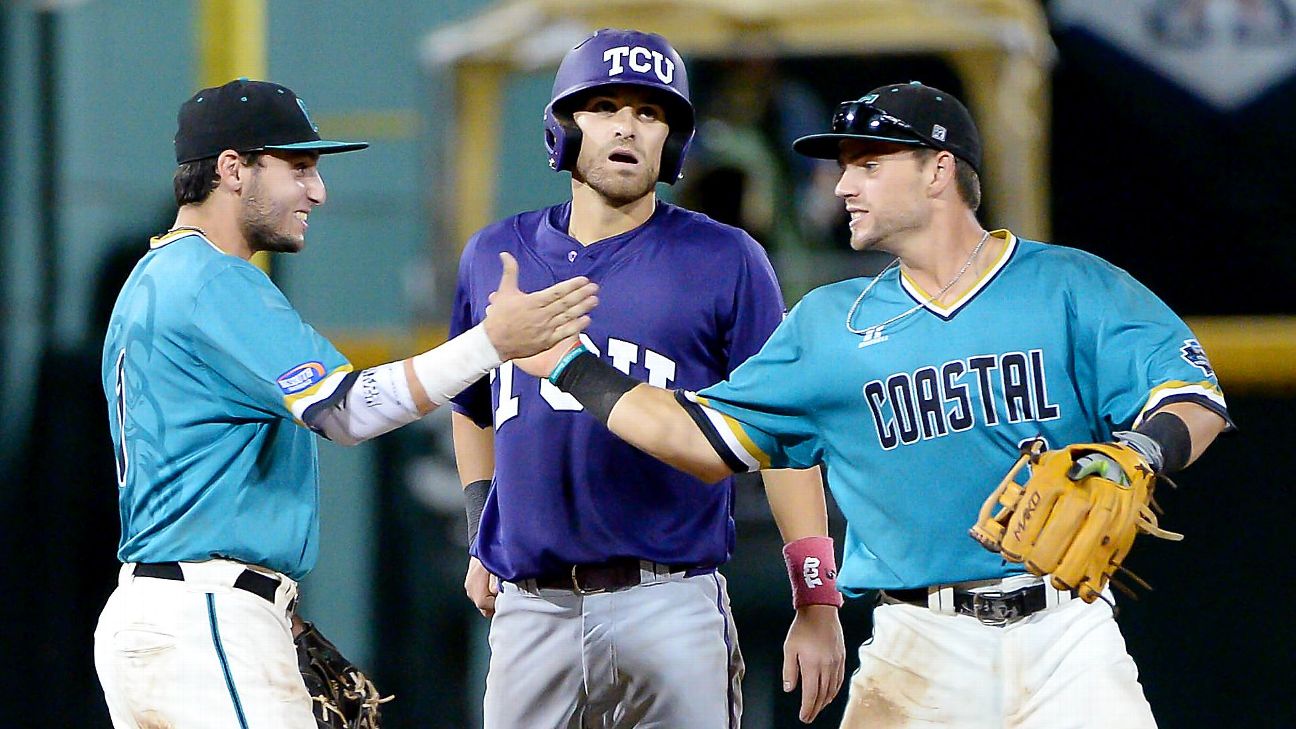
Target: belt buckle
(990, 608)
(576, 585)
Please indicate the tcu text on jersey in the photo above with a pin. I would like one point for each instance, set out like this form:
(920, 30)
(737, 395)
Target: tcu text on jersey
(932, 402)
(659, 368)
(640, 60)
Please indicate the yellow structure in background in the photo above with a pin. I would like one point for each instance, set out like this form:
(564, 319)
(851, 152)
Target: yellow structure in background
(232, 44)
(231, 40)
(1251, 354)
(1001, 49)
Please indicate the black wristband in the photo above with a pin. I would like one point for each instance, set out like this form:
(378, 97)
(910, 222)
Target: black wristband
(1171, 433)
(595, 384)
(474, 502)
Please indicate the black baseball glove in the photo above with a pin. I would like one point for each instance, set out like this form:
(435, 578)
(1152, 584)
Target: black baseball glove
(343, 697)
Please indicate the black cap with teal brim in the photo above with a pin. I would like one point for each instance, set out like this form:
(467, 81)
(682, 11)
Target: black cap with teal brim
(249, 116)
(911, 114)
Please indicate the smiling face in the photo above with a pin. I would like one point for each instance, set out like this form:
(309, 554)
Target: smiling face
(883, 187)
(282, 189)
(623, 130)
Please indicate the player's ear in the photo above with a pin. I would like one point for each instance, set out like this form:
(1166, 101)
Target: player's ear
(941, 173)
(229, 171)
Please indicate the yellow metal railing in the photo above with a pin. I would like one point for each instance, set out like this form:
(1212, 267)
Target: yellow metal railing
(232, 44)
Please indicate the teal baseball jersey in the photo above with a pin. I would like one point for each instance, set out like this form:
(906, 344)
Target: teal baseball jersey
(210, 376)
(917, 421)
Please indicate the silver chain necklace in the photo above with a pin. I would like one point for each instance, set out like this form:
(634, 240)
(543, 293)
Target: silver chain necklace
(850, 315)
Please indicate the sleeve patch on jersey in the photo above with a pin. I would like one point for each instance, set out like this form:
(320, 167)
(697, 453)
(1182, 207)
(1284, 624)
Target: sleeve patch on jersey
(302, 377)
(1193, 354)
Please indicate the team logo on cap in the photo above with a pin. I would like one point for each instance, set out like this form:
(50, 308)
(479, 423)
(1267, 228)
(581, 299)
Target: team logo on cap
(640, 60)
(869, 99)
(301, 377)
(306, 114)
(938, 133)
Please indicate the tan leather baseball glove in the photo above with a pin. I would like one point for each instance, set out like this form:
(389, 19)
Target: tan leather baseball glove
(1076, 517)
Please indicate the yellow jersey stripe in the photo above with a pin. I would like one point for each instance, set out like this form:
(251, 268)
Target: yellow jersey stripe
(298, 403)
(735, 436)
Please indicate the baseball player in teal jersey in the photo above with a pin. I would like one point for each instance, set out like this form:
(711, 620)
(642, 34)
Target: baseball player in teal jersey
(216, 389)
(915, 389)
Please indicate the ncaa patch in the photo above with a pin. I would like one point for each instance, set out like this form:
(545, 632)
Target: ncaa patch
(1193, 354)
(302, 377)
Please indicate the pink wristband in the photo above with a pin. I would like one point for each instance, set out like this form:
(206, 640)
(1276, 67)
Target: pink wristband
(813, 572)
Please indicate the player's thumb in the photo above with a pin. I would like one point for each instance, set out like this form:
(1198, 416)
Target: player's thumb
(791, 672)
(509, 277)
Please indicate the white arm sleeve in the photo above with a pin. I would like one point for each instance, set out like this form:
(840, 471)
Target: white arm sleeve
(379, 398)
(448, 369)
(378, 401)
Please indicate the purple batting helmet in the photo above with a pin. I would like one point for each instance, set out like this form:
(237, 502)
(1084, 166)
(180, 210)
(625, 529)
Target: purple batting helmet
(613, 57)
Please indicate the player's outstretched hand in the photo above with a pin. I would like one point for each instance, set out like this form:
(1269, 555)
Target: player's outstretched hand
(521, 324)
(542, 364)
(815, 653)
(481, 587)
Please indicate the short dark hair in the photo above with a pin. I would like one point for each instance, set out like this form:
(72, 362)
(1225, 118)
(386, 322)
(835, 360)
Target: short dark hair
(194, 181)
(966, 179)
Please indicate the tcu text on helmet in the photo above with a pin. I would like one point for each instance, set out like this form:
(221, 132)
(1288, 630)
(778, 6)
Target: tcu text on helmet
(640, 60)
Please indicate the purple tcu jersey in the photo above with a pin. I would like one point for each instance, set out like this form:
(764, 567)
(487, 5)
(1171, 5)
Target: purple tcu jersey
(683, 301)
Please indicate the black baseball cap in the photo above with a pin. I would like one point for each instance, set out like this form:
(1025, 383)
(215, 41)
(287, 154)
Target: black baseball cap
(904, 114)
(248, 116)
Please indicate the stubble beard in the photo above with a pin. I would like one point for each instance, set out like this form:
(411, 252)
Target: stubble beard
(884, 233)
(260, 228)
(617, 190)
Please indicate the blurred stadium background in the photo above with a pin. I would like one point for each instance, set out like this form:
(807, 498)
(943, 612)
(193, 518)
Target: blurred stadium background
(1156, 133)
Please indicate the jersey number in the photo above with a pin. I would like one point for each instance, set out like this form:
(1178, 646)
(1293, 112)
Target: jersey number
(661, 371)
(119, 405)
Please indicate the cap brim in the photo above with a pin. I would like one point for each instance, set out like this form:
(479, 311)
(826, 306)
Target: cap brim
(323, 146)
(828, 146)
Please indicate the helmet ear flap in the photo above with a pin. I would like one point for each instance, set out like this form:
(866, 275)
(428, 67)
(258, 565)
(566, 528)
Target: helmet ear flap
(670, 159)
(562, 140)
(551, 144)
(672, 156)
(570, 149)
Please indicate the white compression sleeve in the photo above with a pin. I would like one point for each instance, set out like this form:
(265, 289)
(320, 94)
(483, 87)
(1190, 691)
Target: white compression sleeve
(378, 401)
(448, 369)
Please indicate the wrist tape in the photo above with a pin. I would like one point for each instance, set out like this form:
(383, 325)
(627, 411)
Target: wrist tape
(813, 572)
(475, 495)
(446, 370)
(594, 383)
(1163, 440)
(1171, 433)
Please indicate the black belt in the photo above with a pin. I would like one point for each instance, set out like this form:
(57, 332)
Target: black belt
(263, 586)
(617, 574)
(991, 608)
